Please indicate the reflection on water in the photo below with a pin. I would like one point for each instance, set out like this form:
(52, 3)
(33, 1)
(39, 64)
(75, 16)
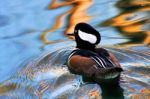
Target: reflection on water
(133, 20)
(111, 92)
(48, 77)
(121, 22)
(74, 15)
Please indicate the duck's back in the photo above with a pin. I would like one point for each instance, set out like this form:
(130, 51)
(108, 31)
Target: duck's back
(104, 56)
(100, 56)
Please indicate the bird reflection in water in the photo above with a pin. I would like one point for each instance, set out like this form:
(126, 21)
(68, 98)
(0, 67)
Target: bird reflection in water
(111, 91)
(110, 88)
(76, 14)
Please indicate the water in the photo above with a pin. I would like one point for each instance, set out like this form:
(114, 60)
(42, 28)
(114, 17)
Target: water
(34, 47)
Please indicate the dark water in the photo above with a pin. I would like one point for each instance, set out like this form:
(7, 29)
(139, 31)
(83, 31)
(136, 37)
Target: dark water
(34, 47)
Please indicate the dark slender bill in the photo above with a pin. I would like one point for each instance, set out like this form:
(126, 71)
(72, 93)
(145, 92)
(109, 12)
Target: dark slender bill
(71, 34)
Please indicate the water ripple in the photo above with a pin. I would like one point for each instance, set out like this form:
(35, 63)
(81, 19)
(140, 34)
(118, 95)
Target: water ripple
(48, 77)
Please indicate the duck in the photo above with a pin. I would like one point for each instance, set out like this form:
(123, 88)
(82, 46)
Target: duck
(89, 60)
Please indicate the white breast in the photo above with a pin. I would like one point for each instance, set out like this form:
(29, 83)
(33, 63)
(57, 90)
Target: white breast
(87, 37)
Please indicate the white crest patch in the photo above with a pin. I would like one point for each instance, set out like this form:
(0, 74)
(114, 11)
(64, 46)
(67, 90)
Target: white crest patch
(87, 37)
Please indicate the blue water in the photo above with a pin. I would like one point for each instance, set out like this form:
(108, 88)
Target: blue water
(124, 27)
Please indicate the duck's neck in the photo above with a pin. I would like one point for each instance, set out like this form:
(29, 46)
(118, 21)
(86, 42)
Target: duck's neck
(90, 48)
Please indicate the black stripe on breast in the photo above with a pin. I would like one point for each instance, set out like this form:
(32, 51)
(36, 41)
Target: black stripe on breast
(99, 61)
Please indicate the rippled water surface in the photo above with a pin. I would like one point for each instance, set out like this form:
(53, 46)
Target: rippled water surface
(34, 47)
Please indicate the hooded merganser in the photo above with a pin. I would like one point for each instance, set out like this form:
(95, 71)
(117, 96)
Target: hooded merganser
(88, 60)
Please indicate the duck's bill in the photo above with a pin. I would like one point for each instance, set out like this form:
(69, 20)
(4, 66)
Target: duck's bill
(70, 34)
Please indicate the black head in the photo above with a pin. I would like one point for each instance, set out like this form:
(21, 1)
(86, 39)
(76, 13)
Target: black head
(86, 36)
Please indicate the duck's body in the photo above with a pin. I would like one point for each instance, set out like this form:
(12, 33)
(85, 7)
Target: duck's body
(99, 64)
(88, 60)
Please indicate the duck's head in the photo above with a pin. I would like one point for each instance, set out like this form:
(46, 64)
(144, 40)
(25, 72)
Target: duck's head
(86, 36)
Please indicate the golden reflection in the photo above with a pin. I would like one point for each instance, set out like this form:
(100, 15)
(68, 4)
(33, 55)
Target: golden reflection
(140, 2)
(78, 13)
(144, 94)
(147, 40)
(132, 28)
(132, 21)
(139, 96)
(121, 20)
(6, 88)
(127, 3)
(144, 90)
(94, 94)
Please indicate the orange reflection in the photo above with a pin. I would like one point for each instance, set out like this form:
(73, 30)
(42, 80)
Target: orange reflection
(133, 28)
(76, 14)
(144, 90)
(129, 3)
(144, 94)
(94, 94)
(147, 40)
(6, 88)
(139, 96)
(132, 20)
(140, 2)
(121, 20)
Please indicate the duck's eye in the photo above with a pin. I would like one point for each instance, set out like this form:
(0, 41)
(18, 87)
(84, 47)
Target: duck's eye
(75, 31)
(87, 37)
